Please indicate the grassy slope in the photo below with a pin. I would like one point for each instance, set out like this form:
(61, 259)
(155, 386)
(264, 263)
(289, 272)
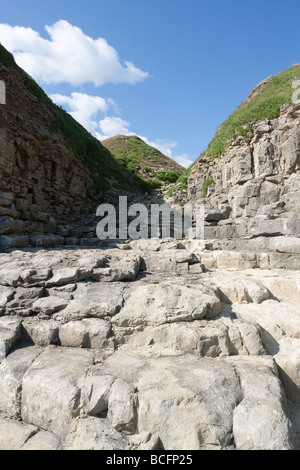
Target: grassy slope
(265, 104)
(103, 167)
(140, 158)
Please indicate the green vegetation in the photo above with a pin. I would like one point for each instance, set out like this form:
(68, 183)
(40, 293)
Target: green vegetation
(265, 105)
(168, 176)
(133, 153)
(182, 179)
(97, 158)
(36, 90)
(206, 185)
(104, 168)
(6, 58)
(154, 183)
(146, 169)
(130, 163)
(142, 159)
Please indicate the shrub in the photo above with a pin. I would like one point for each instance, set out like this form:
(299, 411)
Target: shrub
(153, 183)
(206, 185)
(182, 179)
(265, 105)
(6, 58)
(170, 176)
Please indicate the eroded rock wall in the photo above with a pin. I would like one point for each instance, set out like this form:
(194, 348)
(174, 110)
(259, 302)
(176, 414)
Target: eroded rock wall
(41, 180)
(257, 182)
(142, 348)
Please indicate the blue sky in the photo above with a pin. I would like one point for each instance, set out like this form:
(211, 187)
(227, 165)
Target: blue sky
(168, 70)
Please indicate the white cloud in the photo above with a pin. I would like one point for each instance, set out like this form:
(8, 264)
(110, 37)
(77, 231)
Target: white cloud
(183, 160)
(83, 108)
(69, 56)
(111, 126)
(86, 108)
(167, 147)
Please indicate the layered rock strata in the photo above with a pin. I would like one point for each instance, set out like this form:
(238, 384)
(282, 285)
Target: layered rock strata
(141, 347)
(257, 182)
(41, 180)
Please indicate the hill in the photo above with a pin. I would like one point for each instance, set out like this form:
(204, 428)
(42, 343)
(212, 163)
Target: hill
(249, 177)
(264, 102)
(104, 169)
(145, 161)
(52, 171)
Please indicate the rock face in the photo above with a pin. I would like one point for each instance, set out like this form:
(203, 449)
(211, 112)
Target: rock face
(148, 344)
(41, 180)
(162, 358)
(257, 183)
(51, 168)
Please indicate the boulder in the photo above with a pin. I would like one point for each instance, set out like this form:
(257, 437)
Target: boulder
(13, 434)
(153, 305)
(12, 370)
(51, 388)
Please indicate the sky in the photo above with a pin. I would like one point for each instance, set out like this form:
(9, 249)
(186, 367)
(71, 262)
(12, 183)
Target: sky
(169, 71)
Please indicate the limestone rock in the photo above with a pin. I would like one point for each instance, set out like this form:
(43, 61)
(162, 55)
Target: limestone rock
(88, 333)
(12, 370)
(23, 299)
(167, 303)
(92, 433)
(222, 337)
(63, 276)
(89, 301)
(288, 360)
(41, 332)
(257, 178)
(10, 333)
(127, 270)
(48, 305)
(51, 388)
(95, 393)
(242, 291)
(198, 393)
(122, 405)
(6, 294)
(261, 420)
(42, 440)
(167, 360)
(13, 434)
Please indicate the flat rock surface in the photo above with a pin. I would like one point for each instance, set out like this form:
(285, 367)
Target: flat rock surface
(143, 348)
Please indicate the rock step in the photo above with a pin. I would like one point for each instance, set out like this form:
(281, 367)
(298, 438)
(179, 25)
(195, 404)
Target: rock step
(87, 405)
(118, 346)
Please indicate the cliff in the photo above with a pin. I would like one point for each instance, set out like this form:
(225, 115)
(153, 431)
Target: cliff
(252, 189)
(51, 168)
